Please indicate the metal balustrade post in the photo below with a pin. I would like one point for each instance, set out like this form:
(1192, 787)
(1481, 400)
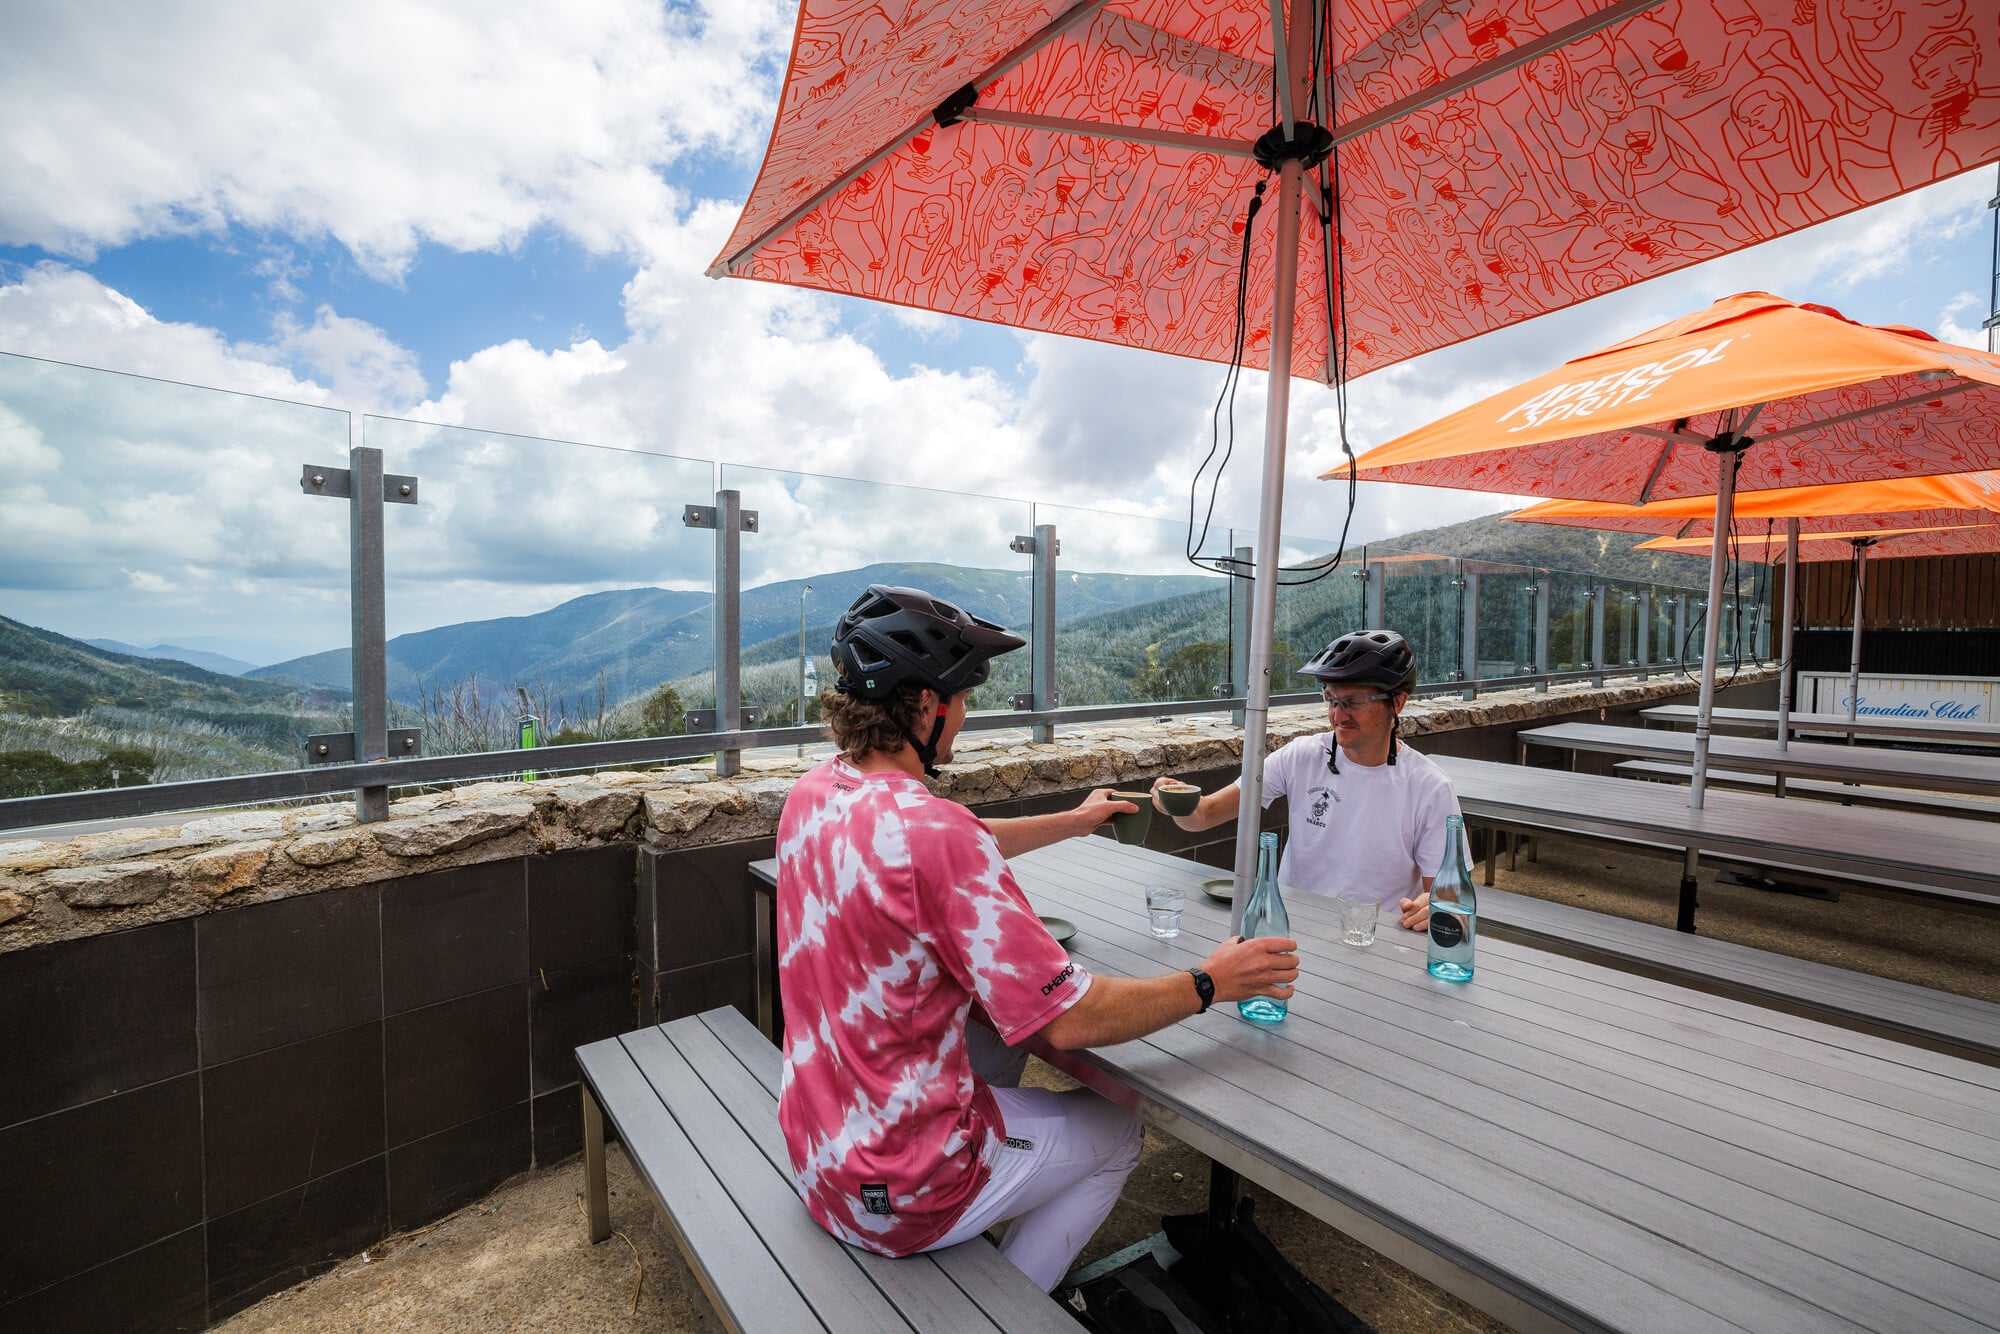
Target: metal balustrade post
(1540, 591)
(730, 521)
(1679, 655)
(369, 652)
(1374, 598)
(1643, 627)
(1239, 634)
(1597, 600)
(366, 489)
(1468, 582)
(1042, 693)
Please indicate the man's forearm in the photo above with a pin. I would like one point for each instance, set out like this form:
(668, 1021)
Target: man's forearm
(1120, 1009)
(1025, 833)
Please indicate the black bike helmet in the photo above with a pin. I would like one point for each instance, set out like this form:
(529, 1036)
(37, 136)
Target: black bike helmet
(1366, 657)
(1380, 658)
(891, 637)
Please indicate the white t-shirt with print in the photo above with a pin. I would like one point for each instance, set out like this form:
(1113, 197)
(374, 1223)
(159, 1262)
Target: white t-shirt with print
(1375, 831)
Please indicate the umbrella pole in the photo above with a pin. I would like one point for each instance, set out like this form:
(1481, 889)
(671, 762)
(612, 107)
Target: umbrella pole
(1854, 650)
(1711, 629)
(1785, 642)
(1270, 514)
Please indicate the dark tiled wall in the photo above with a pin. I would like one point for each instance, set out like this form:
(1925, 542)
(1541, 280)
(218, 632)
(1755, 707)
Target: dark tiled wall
(197, 1113)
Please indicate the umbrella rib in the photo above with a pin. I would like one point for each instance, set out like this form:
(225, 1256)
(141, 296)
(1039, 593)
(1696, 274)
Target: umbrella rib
(1130, 134)
(1659, 466)
(1281, 63)
(1686, 437)
(1520, 55)
(1055, 28)
(1859, 413)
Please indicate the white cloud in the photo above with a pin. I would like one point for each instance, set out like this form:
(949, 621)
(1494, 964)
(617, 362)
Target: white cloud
(1972, 307)
(376, 122)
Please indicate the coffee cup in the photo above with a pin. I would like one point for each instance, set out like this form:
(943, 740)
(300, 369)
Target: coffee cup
(1178, 798)
(1132, 827)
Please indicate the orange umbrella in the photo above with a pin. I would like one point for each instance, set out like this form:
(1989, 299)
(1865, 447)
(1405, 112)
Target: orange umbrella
(1753, 393)
(1849, 510)
(1907, 502)
(1095, 168)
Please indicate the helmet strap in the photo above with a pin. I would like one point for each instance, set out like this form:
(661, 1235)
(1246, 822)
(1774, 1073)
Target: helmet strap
(1395, 726)
(927, 750)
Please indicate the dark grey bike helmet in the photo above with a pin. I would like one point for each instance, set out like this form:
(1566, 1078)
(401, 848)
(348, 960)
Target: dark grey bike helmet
(891, 637)
(1380, 658)
(1366, 657)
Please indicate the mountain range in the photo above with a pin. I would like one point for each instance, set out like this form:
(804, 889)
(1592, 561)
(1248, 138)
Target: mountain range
(636, 638)
(220, 663)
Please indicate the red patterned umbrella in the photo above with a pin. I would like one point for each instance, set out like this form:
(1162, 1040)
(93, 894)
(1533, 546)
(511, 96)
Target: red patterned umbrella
(1084, 167)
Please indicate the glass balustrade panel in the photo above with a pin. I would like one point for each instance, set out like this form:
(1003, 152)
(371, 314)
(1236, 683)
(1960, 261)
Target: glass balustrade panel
(1135, 619)
(162, 579)
(543, 592)
(1423, 604)
(821, 541)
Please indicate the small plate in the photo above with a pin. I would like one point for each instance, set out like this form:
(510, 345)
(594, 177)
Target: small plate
(1062, 930)
(1222, 889)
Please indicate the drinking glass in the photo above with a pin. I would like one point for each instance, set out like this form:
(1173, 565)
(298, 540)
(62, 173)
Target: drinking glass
(1163, 907)
(1357, 920)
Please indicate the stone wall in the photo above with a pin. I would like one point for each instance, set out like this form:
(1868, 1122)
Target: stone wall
(59, 890)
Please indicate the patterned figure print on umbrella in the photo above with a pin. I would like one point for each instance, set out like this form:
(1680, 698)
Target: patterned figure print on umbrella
(1676, 133)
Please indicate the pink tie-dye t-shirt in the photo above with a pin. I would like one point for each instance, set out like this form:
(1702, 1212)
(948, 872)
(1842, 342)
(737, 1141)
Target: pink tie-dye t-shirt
(897, 917)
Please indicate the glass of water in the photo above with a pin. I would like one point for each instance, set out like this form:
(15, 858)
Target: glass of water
(1163, 906)
(1357, 919)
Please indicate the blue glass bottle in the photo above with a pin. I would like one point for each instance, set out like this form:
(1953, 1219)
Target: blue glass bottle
(1265, 915)
(1454, 909)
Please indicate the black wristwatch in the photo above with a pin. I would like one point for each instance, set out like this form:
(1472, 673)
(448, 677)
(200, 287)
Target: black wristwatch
(1204, 987)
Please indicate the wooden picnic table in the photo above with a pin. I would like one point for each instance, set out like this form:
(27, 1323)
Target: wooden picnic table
(1563, 1145)
(1936, 857)
(1928, 771)
(1766, 721)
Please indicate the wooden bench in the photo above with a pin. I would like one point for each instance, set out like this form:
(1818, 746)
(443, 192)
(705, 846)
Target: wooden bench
(695, 1103)
(1930, 771)
(1660, 771)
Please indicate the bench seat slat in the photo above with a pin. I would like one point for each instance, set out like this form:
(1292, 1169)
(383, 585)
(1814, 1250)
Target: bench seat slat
(919, 1289)
(985, 1276)
(817, 1264)
(728, 1256)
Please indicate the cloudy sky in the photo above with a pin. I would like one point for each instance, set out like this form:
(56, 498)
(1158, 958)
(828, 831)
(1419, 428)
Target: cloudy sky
(495, 219)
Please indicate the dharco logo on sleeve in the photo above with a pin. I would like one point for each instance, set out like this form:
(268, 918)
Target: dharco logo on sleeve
(875, 1199)
(1069, 970)
(1016, 1142)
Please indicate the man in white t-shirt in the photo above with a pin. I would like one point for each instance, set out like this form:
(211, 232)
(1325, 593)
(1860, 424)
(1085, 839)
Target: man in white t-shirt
(1367, 812)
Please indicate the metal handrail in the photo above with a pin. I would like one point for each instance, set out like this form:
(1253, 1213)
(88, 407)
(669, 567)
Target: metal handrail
(329, 779)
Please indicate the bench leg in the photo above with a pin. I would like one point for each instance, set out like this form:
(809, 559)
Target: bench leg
(767, 963)
(1513, 851)
(1535, 848)
(1684, 920)
(597, 1193)
(1493, 837)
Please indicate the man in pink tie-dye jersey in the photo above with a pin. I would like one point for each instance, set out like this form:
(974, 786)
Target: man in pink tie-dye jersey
(898, 925)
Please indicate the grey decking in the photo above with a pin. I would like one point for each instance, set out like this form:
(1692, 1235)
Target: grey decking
(1892, 798)
(1928, 855)
(1766, 721)
(695, 1103)
(1930, 771)
(1567, 1146)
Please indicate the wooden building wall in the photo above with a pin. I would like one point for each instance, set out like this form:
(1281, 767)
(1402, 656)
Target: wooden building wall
(1911, 593)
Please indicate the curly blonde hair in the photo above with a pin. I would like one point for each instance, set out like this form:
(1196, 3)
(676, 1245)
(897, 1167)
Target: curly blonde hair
(862, 727)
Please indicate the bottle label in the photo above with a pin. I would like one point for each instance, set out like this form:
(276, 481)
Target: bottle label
(1446, 931)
